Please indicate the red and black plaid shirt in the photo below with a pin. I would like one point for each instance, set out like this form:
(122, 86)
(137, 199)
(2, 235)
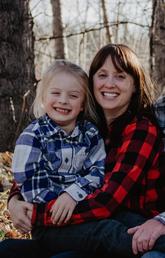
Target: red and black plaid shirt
(133, 179)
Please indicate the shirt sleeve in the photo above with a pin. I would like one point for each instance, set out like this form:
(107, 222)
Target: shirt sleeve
(15, 190)
(134, 157)
(160, 217)
(25, 161)
(94, 166)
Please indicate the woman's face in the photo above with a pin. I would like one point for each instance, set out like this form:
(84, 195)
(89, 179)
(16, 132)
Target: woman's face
(113, 89)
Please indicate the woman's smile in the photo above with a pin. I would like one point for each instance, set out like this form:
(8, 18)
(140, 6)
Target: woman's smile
(110, 95)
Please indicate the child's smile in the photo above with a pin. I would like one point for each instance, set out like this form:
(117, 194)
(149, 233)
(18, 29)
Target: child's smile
(64, 100)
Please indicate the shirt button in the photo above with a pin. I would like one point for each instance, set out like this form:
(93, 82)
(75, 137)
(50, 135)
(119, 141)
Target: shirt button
(66, 160)
(80, 195)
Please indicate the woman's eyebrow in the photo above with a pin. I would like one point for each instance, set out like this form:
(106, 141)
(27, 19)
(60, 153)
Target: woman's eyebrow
(102, 70)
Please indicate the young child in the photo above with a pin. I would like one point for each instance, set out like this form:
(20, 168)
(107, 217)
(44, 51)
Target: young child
(61, 154)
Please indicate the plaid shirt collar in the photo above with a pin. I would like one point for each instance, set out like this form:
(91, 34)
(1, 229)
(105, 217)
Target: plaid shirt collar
(160, 107)
(47, 127)
(160, 112)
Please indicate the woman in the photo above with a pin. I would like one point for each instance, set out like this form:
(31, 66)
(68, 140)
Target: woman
(151, 230)
(133, 179)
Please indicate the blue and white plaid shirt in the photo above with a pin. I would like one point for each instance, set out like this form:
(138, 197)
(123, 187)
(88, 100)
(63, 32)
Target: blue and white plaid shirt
(160, 114)
(47, 161)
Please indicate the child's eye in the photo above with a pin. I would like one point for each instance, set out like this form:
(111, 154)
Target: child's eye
(55, 93)
(73, 96)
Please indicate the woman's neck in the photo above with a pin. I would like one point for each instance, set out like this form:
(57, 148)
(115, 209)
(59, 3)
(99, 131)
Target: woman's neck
(111, 116)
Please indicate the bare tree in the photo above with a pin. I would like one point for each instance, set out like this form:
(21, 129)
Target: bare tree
(58, 29)
(105, 19)
(157, 43)
(16, 69)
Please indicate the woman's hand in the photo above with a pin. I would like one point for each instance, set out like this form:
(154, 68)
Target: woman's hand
(62, 209)
(145, 235)
(20, 214)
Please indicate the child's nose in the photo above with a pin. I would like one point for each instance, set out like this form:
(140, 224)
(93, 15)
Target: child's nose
(63, 99)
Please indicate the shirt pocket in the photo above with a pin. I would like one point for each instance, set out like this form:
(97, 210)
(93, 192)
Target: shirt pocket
(52, 162)
(79, 159)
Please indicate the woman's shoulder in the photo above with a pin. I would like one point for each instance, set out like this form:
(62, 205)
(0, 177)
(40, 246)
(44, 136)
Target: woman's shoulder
(142, 124)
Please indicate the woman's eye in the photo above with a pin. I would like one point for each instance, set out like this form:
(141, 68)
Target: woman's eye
(101, 75)
(120, 76)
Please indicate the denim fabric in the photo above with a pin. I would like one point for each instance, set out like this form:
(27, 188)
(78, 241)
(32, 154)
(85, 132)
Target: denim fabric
(154, 254)
(71, 254)
(21, 248)
(99, 237)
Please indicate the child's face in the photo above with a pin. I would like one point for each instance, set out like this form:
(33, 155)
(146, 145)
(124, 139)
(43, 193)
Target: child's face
(64, 100)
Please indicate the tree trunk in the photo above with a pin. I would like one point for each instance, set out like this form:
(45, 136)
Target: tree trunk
(58, 29)
(157, 43)
(105, 19)
(16, 69)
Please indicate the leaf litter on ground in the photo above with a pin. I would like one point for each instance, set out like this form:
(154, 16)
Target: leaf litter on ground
(7, 229)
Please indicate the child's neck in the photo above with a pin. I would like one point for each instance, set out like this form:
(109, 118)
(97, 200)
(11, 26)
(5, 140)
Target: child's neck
(67, 128)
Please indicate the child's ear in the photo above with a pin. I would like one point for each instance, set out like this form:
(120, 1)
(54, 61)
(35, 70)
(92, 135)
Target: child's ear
(42, 106)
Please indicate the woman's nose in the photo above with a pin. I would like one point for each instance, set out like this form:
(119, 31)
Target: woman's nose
(110, 82)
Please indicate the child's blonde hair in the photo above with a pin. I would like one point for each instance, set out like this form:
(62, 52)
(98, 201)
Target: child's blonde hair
(75, 70)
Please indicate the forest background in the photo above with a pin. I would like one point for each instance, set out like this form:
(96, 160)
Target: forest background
(34, 33)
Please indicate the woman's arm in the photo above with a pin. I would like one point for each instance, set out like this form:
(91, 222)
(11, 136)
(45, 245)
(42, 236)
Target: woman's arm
(134, 166)
(19, 213)
(145, 235)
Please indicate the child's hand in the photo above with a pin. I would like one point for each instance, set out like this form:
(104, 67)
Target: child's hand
(62, 209)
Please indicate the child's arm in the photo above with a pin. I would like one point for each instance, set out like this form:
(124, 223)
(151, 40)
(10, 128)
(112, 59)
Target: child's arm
(92, 175)
(62, 209)
(26, 162)
(86, 183)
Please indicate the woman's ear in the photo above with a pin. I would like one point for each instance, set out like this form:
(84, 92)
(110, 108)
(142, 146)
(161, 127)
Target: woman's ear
(82, 106)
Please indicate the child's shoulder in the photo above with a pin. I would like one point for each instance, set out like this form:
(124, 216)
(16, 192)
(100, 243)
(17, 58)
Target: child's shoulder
(32, 126)
(90, 128)
(31, 130)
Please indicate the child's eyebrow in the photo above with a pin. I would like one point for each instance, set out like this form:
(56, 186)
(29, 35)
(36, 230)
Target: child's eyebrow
(75, 91)
(53, 88)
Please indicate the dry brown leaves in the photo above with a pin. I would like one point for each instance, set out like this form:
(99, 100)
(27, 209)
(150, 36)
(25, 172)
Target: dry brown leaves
(7, 230)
